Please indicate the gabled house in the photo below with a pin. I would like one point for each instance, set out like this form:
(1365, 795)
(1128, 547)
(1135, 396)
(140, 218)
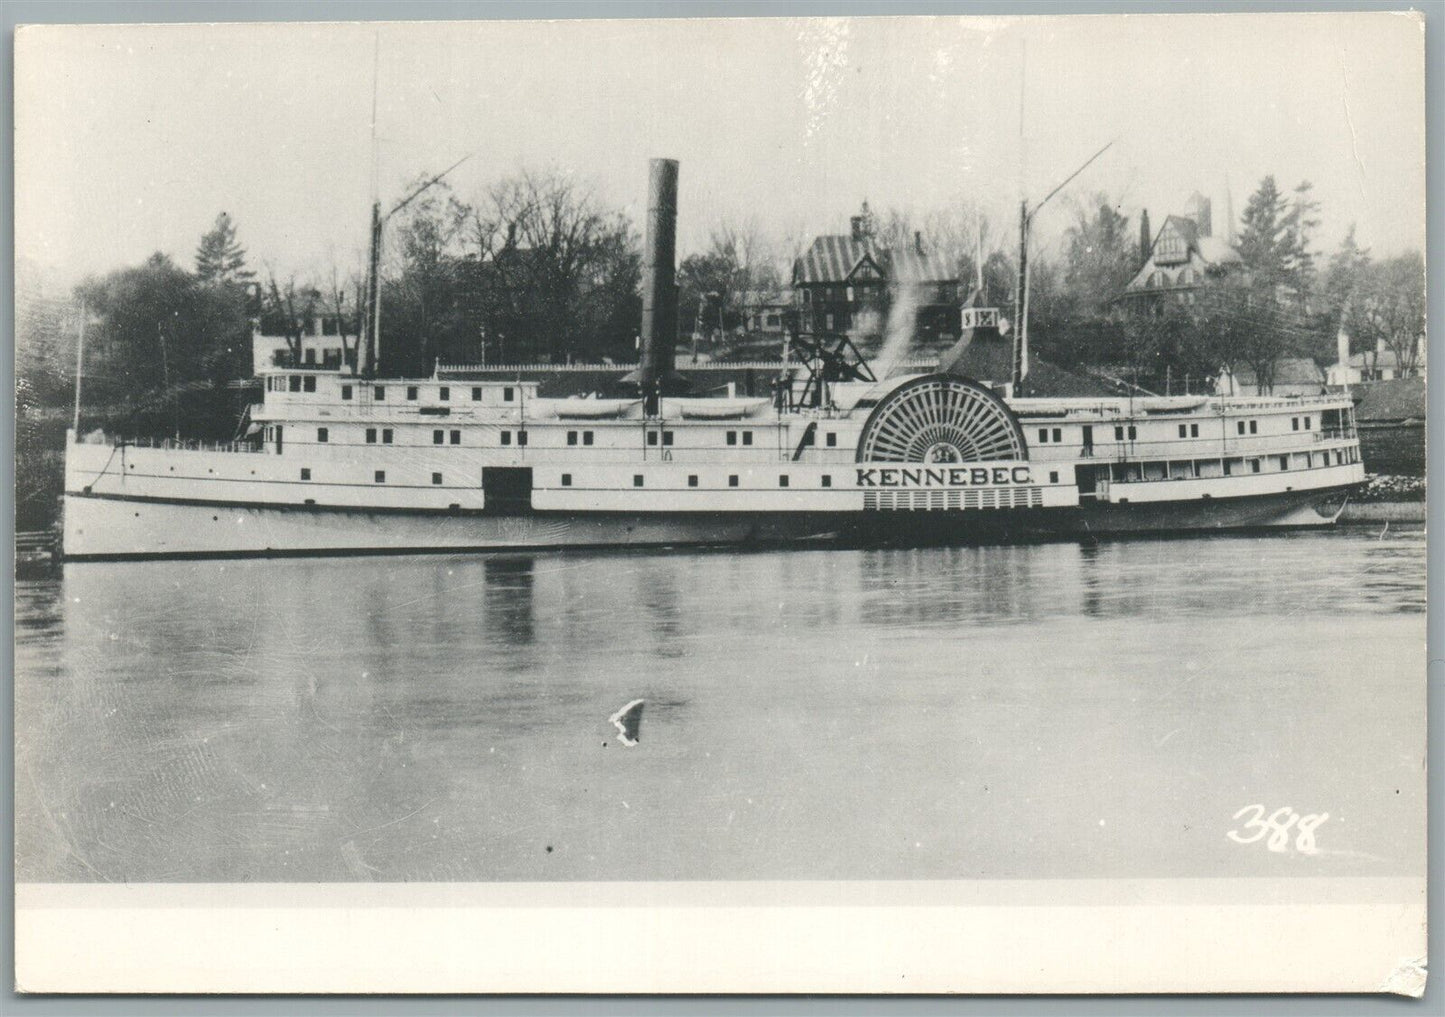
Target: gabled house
(847, 284)
(1177, 261)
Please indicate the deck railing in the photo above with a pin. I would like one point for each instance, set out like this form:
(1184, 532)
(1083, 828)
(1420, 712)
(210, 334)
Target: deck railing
(176, 444)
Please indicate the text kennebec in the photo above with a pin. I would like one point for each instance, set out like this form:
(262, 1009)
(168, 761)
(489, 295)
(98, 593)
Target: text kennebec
(961, 476)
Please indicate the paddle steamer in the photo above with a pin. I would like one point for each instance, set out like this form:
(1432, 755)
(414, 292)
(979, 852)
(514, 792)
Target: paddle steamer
(340, 461)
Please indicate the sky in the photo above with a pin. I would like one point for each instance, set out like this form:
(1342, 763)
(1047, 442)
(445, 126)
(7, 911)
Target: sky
(130, 139)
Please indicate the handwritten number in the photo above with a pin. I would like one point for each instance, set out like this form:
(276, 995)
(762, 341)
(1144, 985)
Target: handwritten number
(1253, 822)
(1278, 827)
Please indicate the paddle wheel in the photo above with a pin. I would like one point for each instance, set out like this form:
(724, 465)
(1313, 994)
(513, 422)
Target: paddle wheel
(941, 419)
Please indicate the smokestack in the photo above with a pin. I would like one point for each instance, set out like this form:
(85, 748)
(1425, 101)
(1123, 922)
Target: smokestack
(1144, 236)
(655, 368)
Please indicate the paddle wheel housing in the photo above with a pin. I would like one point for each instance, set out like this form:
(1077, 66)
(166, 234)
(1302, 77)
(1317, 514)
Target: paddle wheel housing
(941, 418)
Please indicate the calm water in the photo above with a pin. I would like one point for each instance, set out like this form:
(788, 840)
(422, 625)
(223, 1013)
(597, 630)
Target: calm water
(1053, 710)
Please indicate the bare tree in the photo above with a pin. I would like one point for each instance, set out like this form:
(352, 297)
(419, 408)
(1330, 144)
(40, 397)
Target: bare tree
(289, 308)
(1387, 308)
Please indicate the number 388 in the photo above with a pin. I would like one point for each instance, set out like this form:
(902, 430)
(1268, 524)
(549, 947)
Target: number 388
(1277, 827)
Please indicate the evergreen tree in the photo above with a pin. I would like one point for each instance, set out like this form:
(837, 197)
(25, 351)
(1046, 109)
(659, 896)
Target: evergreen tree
(220, 258)
(1266, 238)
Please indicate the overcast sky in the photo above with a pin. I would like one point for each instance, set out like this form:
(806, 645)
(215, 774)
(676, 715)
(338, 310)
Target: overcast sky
(130, 139)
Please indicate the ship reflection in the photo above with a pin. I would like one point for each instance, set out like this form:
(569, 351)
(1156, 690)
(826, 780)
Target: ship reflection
(509, 600)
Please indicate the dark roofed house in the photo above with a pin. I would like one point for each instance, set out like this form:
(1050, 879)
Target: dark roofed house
(1177, 261)
(847, 284)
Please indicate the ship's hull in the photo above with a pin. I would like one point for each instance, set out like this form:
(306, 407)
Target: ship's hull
(118, 527)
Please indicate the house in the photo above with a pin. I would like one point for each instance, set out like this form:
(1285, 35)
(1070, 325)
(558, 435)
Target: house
(765, 311)
(1292, 376)
(848, 284)
(1177, 261)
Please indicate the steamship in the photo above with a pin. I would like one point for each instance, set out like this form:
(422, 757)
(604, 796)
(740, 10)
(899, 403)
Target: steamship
(338, 460)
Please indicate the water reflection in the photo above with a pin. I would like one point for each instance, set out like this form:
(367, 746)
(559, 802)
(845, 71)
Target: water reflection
(446, 717)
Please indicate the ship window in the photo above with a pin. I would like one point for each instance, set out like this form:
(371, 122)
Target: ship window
(587, 437)
(1226, 468)
(1133, 432)
(345, 391)
(810, 438)
(692, 480)
(1284, 462)
(1183, 430)
(1254, 466)
(1053, 476)
(444, 393)
(386, 436)
(1043, 434)
(310, 383)
(456, 437)
(637, 480)
(747, 437)
(295, 383)
(381, 476)
(783, 480)
(378, 392)
(476, 393)
(652, 437)
(667, 437)
(732, 480)
(305, 473)
(508, 394)
(506, 437)
(1058, 434)
(521, 437)
(1118, 434)
(1307, 423)
(436, 437)
(411, 391)
(832, 440)
(1254, 427)
(571, 437)
(1294, 423)
(323, 435)
(1339, 457)
(371, 436)
(566, 480)
(732, 437)
(1194, 430)
(827, 480)
(1240, 426)
(436, 478)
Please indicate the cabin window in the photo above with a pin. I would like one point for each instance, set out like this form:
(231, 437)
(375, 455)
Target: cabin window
(832, 441)
(1053, 476)
(1284, 462)
(1133, 432)
(667, 437)
(310, 383)
(571, 437)
(436, 478)
(295, 383)
(345, 391)
(521, 437)
(508, 394)
(1307, 423)
(476, 393)
(455, 437)
(783, 480)
(1226, 468)
(444, 394)
(1043, 434)
(380, 476)
(827, 480)
(411, 391)
(566, 480)
(305, 473)
(371, 436)
(323, 435)
(732, 480)
(386, 436)
(587, 437)
(378, 392)
(1254, 427)
(1183, 431)
(747, 437)
(1194, 430)
(692, 480)
(637, 480)
(810, 438)
(652, 437)
(1294, 423)
(436, 437)
(1058, 435)
(732, 437)
(506, 437)
(1240, 426)
(1254, 466)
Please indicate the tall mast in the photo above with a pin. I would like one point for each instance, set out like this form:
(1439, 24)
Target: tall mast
(1020, 343)
(79, 366)
(366, 357)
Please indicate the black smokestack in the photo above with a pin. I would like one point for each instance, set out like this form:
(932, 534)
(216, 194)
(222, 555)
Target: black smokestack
(655, 368)
(1145, 240)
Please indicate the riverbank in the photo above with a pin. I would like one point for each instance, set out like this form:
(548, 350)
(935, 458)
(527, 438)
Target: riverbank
(1384, 512)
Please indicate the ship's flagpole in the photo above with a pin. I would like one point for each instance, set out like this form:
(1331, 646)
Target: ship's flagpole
(366, 358)
(79, 365)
